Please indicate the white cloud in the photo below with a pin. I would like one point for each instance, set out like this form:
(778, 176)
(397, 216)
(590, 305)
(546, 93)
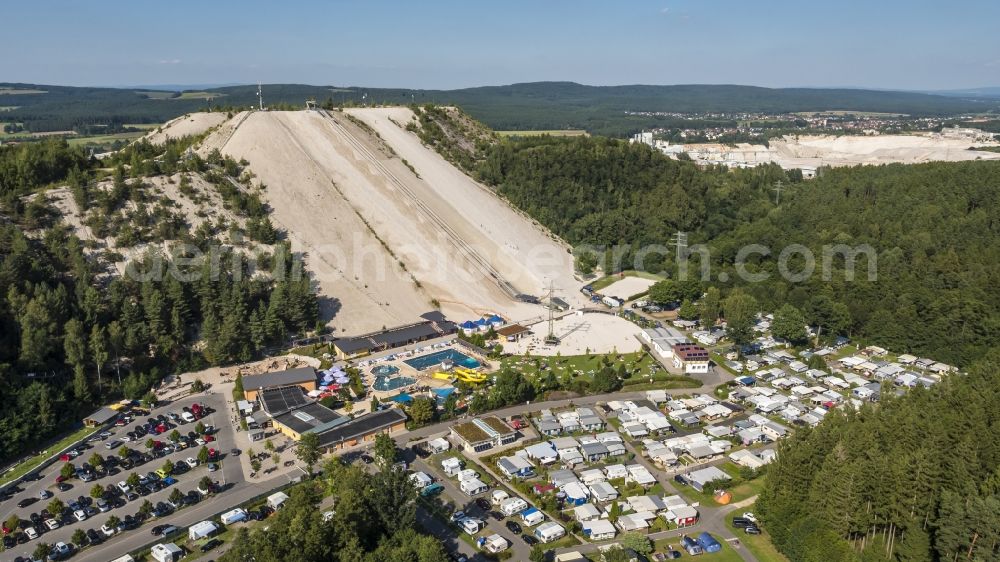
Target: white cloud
(170, 61)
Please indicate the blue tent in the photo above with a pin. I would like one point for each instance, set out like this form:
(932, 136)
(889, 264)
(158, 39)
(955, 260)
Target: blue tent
(468, 325)
(708, 543)
(495, 320)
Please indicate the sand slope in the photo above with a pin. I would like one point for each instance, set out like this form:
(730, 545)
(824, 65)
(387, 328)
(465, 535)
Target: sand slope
(190, 124)
(382, 243)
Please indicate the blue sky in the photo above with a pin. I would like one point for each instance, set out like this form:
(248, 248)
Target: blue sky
(899, 44)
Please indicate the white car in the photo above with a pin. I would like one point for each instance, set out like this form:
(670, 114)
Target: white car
(201, 442)
(127, 438)
(31, 533)
(52, 524)
(750, 517)
(191, 462)
(80, 515)
(124, 487)
(108, 531)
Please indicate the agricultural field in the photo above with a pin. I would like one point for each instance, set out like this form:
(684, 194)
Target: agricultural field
(198, 96)
(156, 94)
(19, 91)
(552, 133)
(102, 140)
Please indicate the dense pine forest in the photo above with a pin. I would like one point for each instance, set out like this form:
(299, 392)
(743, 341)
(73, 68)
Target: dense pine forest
(935, 227)
(73, 336)
(912, 479)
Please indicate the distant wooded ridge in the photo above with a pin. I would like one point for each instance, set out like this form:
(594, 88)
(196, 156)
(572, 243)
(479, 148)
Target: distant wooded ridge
(527, 106)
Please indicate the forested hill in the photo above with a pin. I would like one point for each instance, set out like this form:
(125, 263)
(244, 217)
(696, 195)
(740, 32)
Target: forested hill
(75, 335)
(535, 105)
(912, 479)
(935, 227)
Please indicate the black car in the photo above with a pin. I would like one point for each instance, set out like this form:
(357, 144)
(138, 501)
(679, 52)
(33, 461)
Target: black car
(367, 459)
(513, 527)
(35, 518)
(20, 537)
(496, 515)
(64, 486)
(94, 537)
(673, 554)
(26, 502)
(158, 530)
(741, 522)
(235, 452)
(130, 522)
(210, 545)
(9, 542)
(529, 540)
(483, 504)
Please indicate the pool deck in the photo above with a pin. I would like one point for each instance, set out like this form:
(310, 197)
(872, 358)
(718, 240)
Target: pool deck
(422, 378)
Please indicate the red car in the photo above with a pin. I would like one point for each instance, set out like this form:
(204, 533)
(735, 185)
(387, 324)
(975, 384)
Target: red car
(162, 428)
(213, 454)
(60, 479)
(6, 530)
(208, 438)
(64, 457)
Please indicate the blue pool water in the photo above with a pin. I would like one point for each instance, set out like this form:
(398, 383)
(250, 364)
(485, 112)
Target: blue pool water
(385, 370)
(385, 384)
(434, 359)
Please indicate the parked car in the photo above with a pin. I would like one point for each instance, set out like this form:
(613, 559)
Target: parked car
(210, 545)
(752, 530)
(513, 527)
(529, 540)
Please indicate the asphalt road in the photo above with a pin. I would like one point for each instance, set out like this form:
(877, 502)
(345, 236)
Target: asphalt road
(230, 473)
(239, 491)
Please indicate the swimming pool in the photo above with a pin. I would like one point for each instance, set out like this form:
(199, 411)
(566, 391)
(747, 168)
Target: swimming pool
(385, 384)
(436, 358)
(384, 370)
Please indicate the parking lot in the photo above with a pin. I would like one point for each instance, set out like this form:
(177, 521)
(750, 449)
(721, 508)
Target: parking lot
(83, 512)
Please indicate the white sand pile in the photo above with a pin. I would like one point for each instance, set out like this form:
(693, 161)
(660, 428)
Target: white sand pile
(382, 243)
(627, 286)
(879, 149)
(190, 124)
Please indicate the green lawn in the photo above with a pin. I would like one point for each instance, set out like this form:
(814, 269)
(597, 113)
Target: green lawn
(646, 372)
(759, 545)
(30, 465)
(740, 489)
(609, 279)
(727, 554)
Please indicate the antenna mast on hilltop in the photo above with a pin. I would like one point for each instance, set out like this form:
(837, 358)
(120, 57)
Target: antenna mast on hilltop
(260, 97)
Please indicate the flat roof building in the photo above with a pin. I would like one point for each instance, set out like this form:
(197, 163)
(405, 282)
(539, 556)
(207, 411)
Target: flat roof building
(100, 417)
(358, 346)
(483, 433)
(363, 429)
(304, 377)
